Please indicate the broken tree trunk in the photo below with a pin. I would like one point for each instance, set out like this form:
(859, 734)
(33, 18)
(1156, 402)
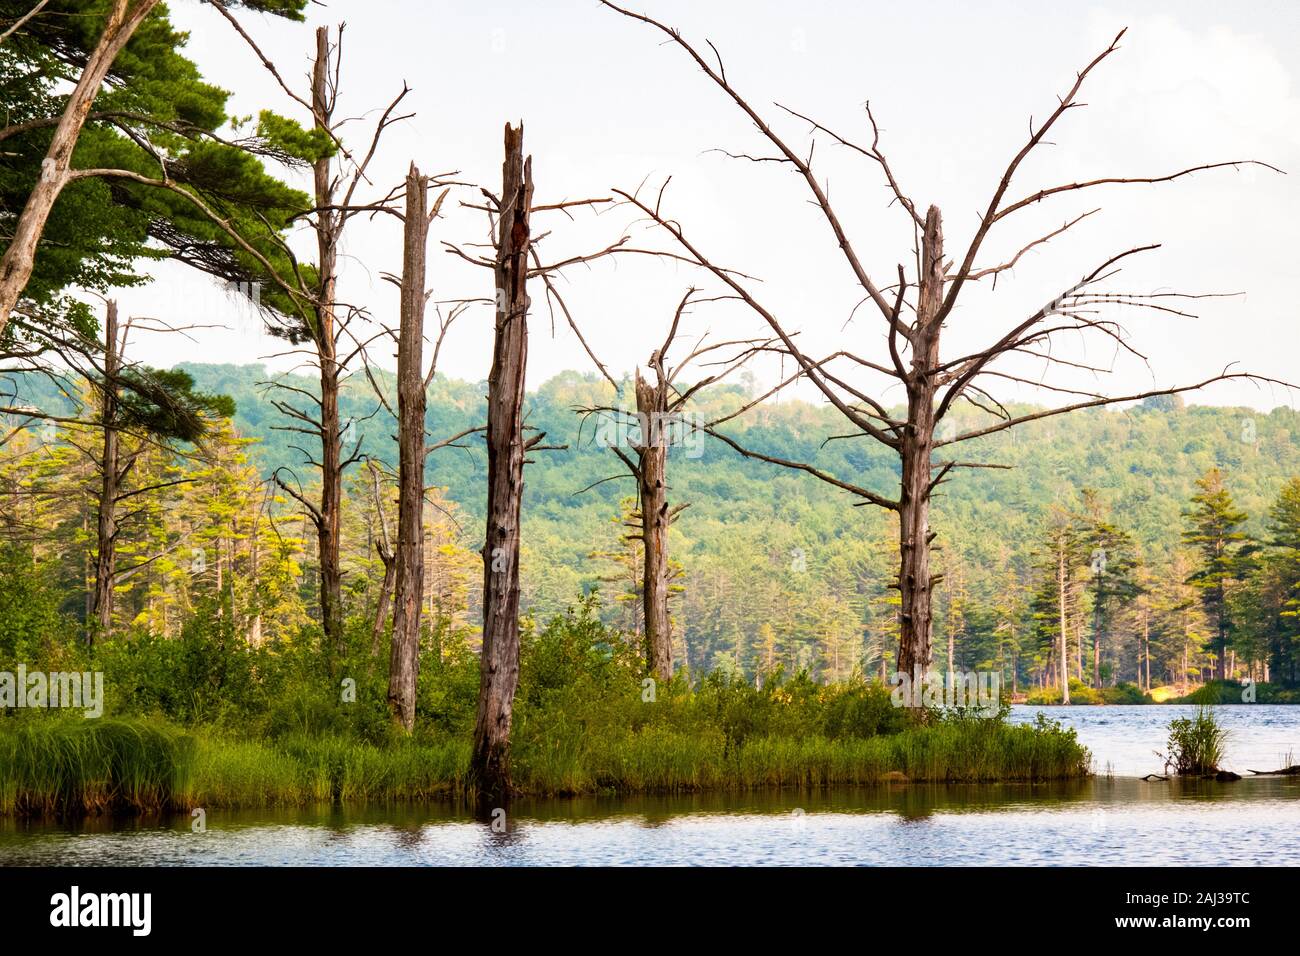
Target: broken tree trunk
(652, 457)
(384, 548)
(106, 530)
(499, 664)
(408, 589)
(916, 613)
(1062, 582)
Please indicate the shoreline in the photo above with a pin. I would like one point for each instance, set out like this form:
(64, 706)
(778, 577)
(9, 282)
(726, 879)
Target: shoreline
(51, 768)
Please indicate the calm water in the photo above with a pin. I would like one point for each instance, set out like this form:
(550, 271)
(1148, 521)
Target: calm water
(1106, 820)
(1123, 740)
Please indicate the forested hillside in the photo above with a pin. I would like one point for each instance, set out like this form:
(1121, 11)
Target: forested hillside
(772, 567)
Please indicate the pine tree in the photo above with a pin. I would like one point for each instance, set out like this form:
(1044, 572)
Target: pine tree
(1215, 531)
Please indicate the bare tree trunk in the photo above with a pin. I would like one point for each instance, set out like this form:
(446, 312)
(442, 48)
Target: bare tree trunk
(327, 523)
(1146, 646)
(1061, 584)
(1096, 660)
(384, 548)
(20, 257)
(408, 591)
(499, 664)
(651, 404)
(106, 531)
(916, 614)
(952, 651)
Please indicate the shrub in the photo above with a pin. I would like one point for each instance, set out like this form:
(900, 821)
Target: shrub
(1196, 744)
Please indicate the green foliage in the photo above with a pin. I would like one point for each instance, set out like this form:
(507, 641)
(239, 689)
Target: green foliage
(154, 104)
(29, 607)
(290, 138)
(1081, 693)
(229, 726)
(1196, 744)
(782, 571)
(72, 765)
(165, 404)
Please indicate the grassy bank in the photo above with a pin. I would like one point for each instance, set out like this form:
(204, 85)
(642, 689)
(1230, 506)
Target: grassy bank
(51, 766)
(205, 721)
(1235, 692)
(1082, 694)
(1214, 692)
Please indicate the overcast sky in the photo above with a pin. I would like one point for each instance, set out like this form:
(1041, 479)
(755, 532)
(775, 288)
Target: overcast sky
(606, 104)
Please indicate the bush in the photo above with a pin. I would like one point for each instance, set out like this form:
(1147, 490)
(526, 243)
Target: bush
(216, 723)
(1080, 693)
(1196, 744)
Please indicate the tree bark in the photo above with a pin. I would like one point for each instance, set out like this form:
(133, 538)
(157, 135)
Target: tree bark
(408, 588)
(384, 548)
(1146, 647)
(1062, 581)
(327, 234)
(1096, 644)
(916, 615)
(106, 530)
(20, 257)
(499, 663)
(652, 460)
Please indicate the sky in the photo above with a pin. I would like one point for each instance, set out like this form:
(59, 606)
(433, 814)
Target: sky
(954, 87)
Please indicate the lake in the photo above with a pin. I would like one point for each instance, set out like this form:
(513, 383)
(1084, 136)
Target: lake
(1112, 819)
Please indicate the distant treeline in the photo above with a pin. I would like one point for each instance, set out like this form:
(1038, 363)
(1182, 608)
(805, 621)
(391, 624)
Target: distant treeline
(772, 568)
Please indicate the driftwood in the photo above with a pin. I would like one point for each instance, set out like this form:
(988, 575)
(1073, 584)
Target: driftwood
(1224, 776)
(1292, 771)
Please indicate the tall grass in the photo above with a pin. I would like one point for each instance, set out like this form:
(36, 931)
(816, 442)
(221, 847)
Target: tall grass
(59, 766)
(1196, 744)
(267, 728)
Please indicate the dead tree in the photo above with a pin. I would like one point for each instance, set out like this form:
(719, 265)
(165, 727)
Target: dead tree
(155, 412)
(110, 480)
(514, 246)
(506, 448)
(914, 311)
(317, 318)
(412, 385)
(387, 557)
(660, 422)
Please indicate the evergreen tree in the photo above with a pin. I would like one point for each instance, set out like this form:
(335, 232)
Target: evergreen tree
(1225, 549)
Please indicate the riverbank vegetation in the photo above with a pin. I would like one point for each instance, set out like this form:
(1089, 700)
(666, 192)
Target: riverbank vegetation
(1196, 744)
(816, 580)
(228, 726)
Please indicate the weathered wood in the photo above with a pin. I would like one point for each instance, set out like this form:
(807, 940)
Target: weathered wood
(387, 556)
(106, 525)
(1062, 582)
(916, 612)
(652, 458)
(327, 229)
(499, 663)
(408, 589)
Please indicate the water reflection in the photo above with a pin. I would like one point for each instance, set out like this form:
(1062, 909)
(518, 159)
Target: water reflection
(1115, 821)
(1119, 820)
